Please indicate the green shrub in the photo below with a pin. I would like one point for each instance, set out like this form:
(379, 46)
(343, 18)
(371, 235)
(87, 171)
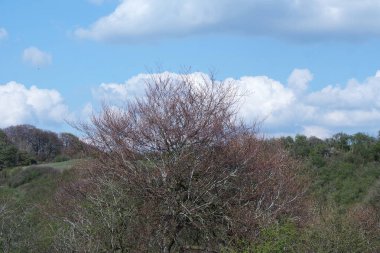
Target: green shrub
(337, 234)
(61, 158)
(281, 237)
(278, 238)
(29, 174)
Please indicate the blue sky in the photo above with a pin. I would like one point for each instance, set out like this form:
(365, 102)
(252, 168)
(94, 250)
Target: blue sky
(310, 65)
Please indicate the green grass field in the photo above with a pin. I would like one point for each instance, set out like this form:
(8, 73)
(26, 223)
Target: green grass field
(61, 166)
(33, 176)
(25, 195)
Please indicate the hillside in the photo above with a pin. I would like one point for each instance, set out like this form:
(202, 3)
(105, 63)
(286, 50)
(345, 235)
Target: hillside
(26, 194)
(343, 198)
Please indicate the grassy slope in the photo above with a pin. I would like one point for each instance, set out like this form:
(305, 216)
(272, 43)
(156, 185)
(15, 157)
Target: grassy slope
(339, 181)
(61, 166)
(28, 181)
(26, 192)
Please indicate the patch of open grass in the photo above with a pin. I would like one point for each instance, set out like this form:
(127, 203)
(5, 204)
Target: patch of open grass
(61, 166)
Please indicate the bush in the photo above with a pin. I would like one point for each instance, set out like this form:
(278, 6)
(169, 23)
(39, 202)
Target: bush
(337, 233)
(276, 238)
(61, 158)
(30, 173)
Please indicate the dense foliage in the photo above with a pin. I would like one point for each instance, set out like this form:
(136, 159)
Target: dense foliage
(344, 167)
(9, 154)
(343, 209)
(25, 145)
(345, 186)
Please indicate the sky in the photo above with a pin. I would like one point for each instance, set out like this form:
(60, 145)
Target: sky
(307, 66)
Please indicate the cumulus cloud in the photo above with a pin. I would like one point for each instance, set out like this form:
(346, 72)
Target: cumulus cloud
(352, 107)
(283, 108)
(317, 131)
(135, 86)
(299, 79)
(36, 57)
(264, 99)
(3, 33)
(20, 105)
(116, 92)
(302, 19)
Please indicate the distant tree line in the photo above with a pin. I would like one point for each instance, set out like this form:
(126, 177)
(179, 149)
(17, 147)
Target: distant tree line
(26, 144)
(358, 148)
(10, 155)
(345, 185)
(344, 166)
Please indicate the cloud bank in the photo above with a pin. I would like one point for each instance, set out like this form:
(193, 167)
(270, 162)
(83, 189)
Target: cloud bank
(287, 108)
(297, 19)
(21, 105)
(36, 57)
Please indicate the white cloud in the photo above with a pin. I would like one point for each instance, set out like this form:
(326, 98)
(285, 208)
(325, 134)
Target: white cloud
(109, 92)
(3, 33)
(265, 97)
(19, 105)
(302, 19)
(317, 131)
(135, 86)
(133, 19)
(112, 91)
(36, 57)
(299, 79)
(353, 107)
(353, 95)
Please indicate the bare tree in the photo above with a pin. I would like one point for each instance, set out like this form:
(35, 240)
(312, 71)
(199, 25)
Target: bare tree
(193, 176)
